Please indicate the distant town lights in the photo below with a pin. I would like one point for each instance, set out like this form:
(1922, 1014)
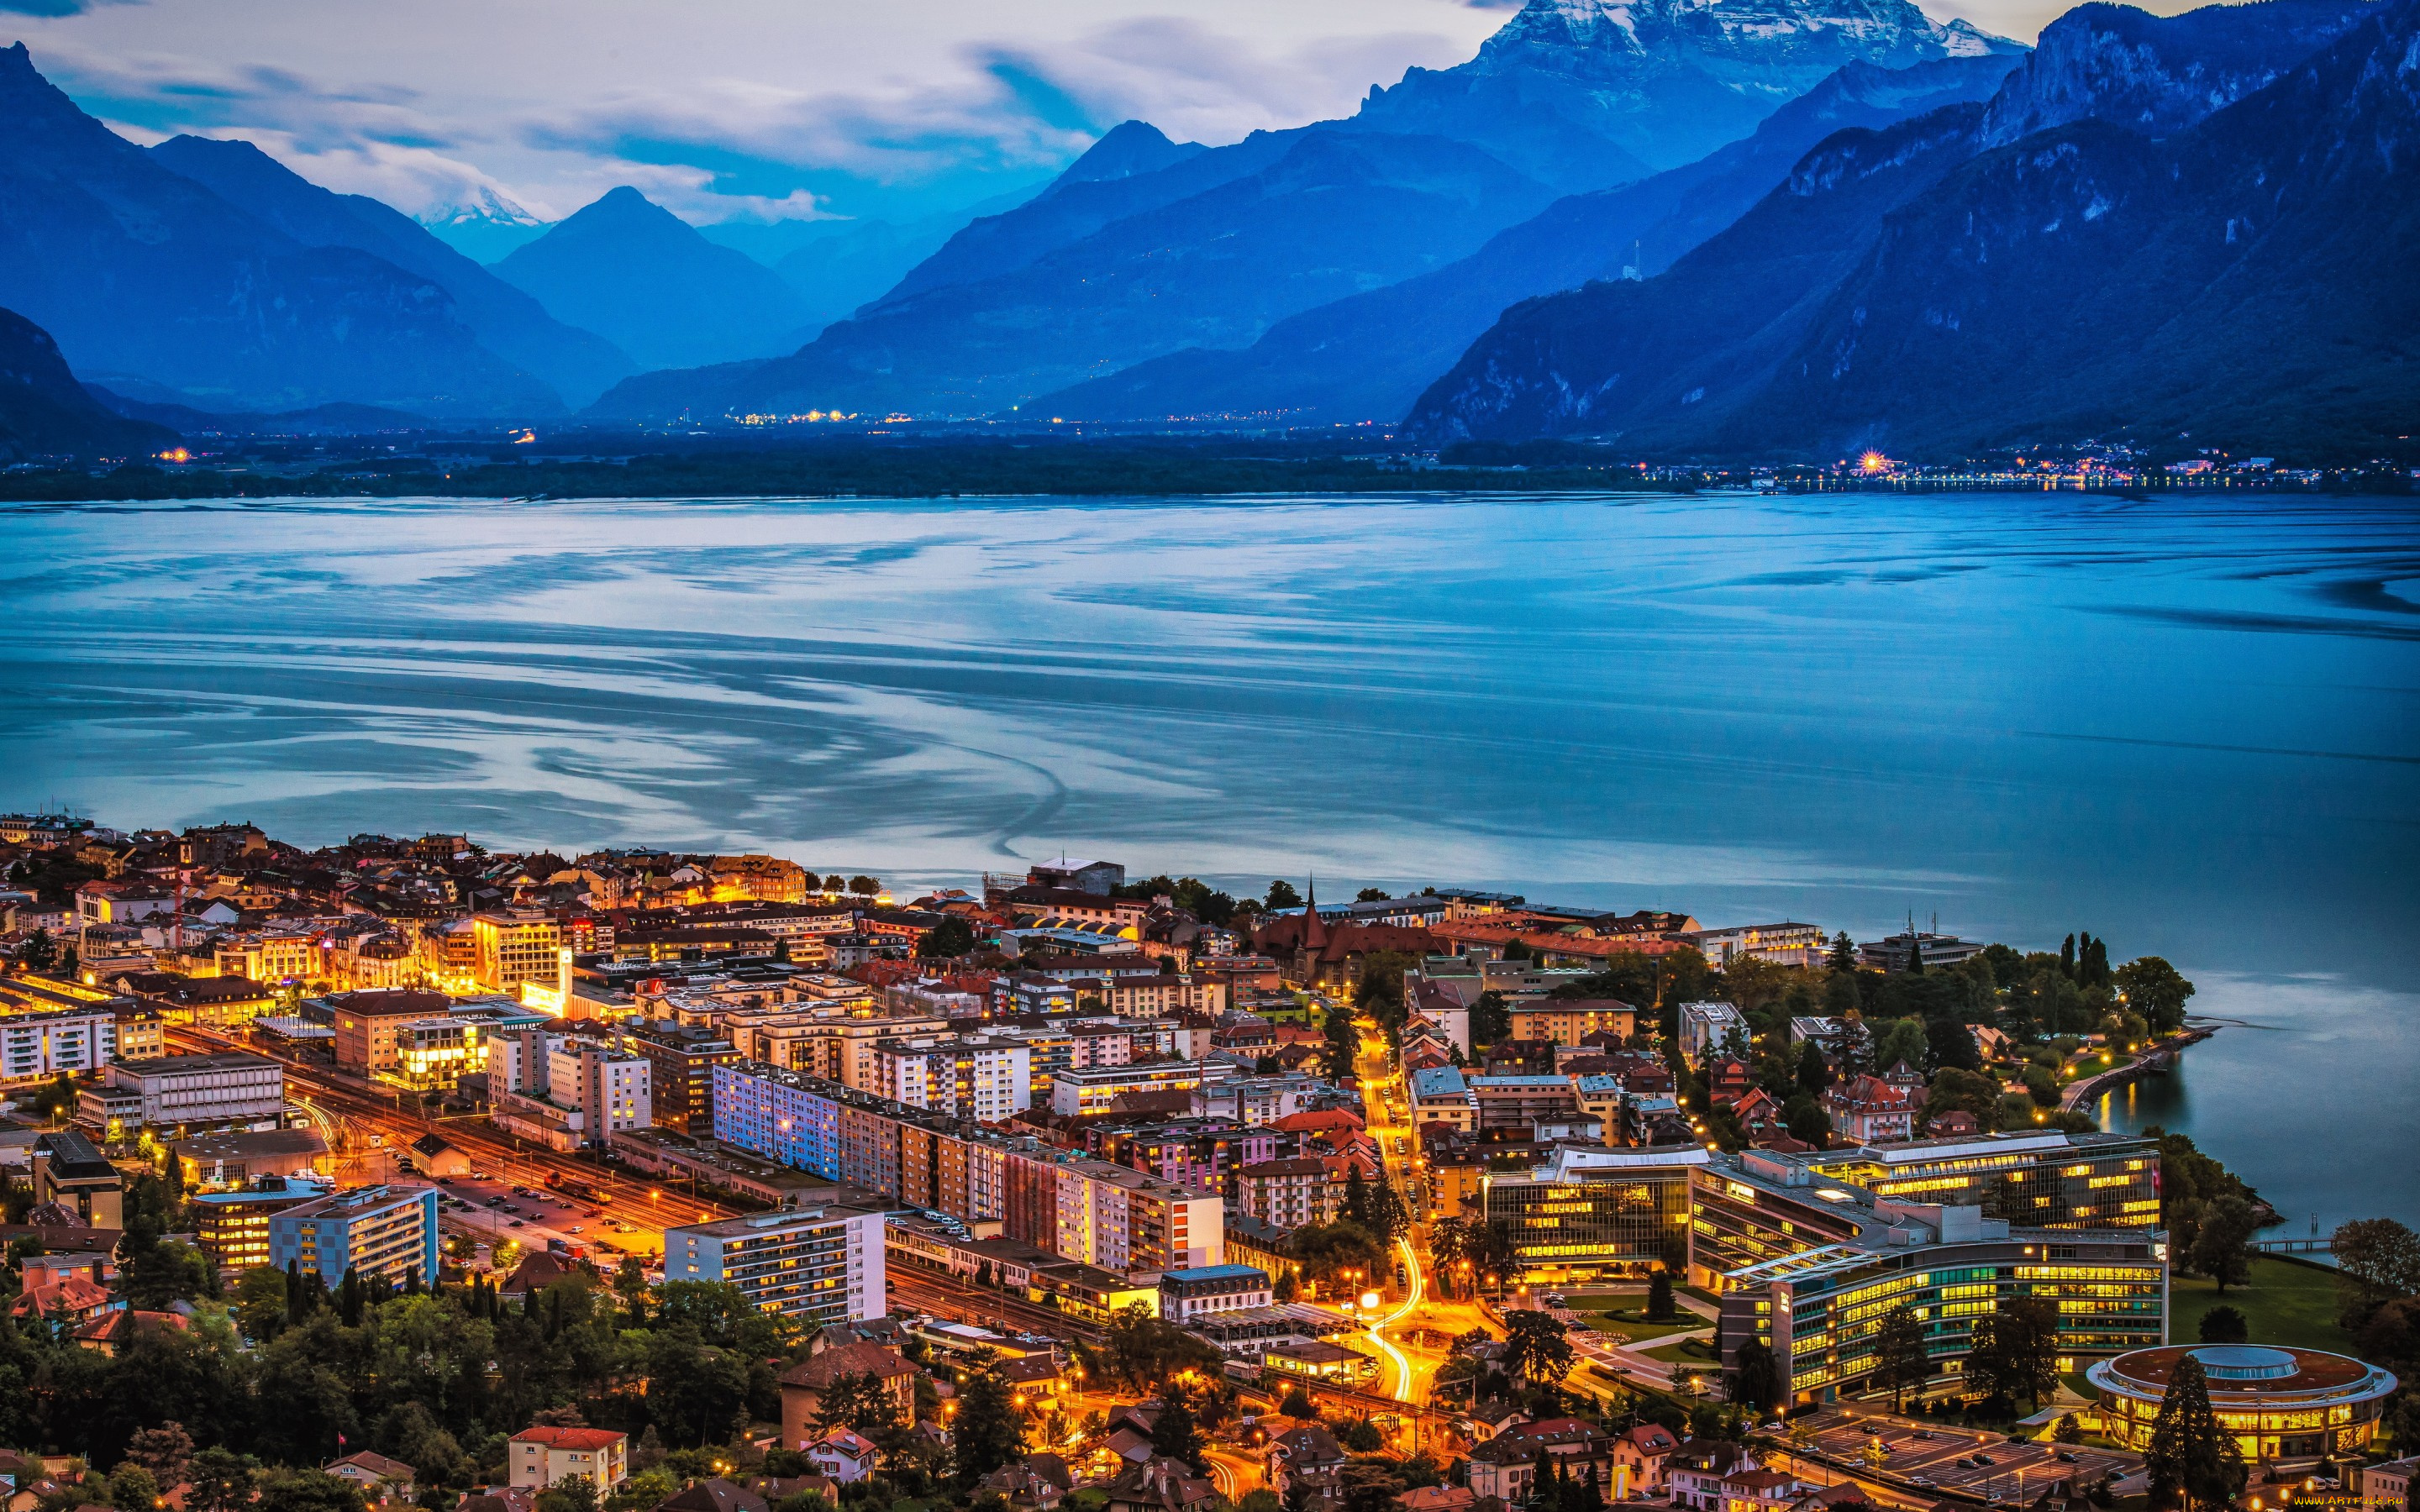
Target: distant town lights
(1872, 463)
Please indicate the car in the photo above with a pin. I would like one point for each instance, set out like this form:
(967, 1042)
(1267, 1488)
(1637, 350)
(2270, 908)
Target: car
(517, 1223)
(1984, 1461)
(2019, 1438)
(1554, 1299)
(1921, 1433)
(591, 1212)
(2062, 1456)
(495, 1202)
(575, 1229)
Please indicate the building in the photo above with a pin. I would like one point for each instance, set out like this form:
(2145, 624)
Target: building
(232, 1226)
(2387, 1488)
(541, 1457)
(681, 1062)
(177, 1092)
(567, 1090)
(43, 1041)
(1784, 945)
(1506, 1466)
(1092, 1089)
(2034, 1179)
(1595, 1215)
(823, 1263)
(805, 1384)
(70, 1172)
(217, 1159)
(1441, 1095)
(1870, 1110)
(2282, 1405)
(1570, 1020)
(432, 1054)
(513, 948)
(372, 1230)
(983, 1077)
(1892, 952)
(1201, 1291)
(1706, 1028)
(369, 1023)
(1811, 1264)
(1288, 1194)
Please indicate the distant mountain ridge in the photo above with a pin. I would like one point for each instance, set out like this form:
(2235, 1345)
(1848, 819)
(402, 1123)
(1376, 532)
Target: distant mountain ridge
(579, 364)
(45, 412)
(1368, 357)
(140, 272)
(2242, 276)
(645, 279)
(1146, 246)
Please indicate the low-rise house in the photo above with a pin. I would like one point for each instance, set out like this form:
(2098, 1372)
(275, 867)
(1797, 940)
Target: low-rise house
(843, 1454)
(805, 1384)
(1026, 1486)
(542, 1455)
(380, 1479)
(1439, 1498)
(1643, 1452)
(1696, 1472)
(1308, 1455)
(1506, 1465)
(1161, 1484)
(1872, 1110)
(714, 1494)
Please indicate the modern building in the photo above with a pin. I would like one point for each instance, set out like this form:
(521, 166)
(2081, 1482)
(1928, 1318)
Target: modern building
(983, 1077)
(1288, 1194)
(372, 1230)
(1570, 1020)
(232, 1226)
(543, 1457)
(1201, 1291)
(824, 1263)
(39, 1042)
(567, 1090)
(2282, 1405)
(369, 1023)
(1893, 952)
(172, 1092)
(70, 1172)
(2032, 1179)
(1081, 1089)
(1587, 1215)
(512, 948)
(1707, 1027)
(1811, 1264)
(1783, 944)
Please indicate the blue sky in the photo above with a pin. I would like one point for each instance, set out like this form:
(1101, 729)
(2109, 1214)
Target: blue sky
(729, 109)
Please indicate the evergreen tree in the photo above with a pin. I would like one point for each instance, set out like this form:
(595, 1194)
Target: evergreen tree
(988, 1429)
(1357, 1200)
(1660, 1308)
(350, 1299)
(1814, 1074)
(1755, 1379)
(2067, 958)
(1177, 1433)
(1844, 952)
(2194, 1462)
(1900, 1360)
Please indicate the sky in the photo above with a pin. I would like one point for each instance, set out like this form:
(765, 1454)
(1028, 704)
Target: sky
(724, 110)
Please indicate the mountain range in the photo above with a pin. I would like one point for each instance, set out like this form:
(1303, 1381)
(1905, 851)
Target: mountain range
(2191, 228)
(1147, 246)
(1367, 357)
(44, 411)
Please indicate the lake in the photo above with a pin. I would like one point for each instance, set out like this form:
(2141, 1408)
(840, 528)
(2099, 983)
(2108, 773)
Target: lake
(2186, 724)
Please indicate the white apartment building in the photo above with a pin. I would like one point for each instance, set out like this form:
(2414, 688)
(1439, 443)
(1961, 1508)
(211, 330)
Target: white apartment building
(40, 1045)
(1706, 1027)
(824, 1263)
(567, 1090)
(974, 1076)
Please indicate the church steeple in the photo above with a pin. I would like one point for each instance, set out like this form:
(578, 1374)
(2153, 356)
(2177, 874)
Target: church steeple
(1315, 932)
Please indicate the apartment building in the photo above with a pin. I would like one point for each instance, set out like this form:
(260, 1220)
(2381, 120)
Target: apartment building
(982, 1077)
(1091, 1089)
(372, 1230)
(1568, 1021)
(1289, 1194)
(681, 1072)
(544, 1457)
(39, 1042)
(823, 1263)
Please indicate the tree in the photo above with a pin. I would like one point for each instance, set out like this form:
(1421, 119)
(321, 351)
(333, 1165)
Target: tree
(1372, 895)
(1534, 1345)
(572, 1493)
(2222, 1246)
(1369, 1486)
(2156, 990)
(2378, 1260)
(1660, 1308)
(855, 1399)
(1814, 1074)
(133, 1488)
(864, 886)
(221, 1481)
(1755, 1379)
(2068, 1429)
(989, 1432)
(1297, 1403)
(1844, 952)
(1357, 1201)
(166, 1451)
(1491, 1019)
(39, 952)
(1901, 1362)
(1900, 1040)
(950, 938)
(1950, 1043)
(1176, 1432)
(308, 1491)
(2194, 1462)
(1281, 895)
(2225, 1325)
(2014, 1349)
(1806, 1120)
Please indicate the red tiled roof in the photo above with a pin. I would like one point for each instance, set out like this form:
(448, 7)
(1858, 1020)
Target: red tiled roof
(570, 1438)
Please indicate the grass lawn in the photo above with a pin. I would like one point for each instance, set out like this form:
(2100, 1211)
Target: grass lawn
(1623, 1315)
(2291, 1304)
(1697, 1351)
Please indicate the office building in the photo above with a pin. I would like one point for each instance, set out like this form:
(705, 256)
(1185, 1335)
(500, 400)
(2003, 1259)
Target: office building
(512, 948)
(374, 1230)
(982, 1077)
(432, 1055)
(2034, 1179)
(1589, 1214)
(368, 1023)
(1707, 1028)
(1783, 944)
(1811, 1264)
(823, 1263)
(2283, 1405)
(171, 1093)
(1081, 1089)
(567, 1090)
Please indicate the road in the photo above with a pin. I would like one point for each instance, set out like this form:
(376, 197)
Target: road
(369, 1128)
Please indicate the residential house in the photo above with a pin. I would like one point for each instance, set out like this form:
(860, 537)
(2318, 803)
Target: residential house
(1506, 1465)
(540, 1457)
(1643, 1452)
(1696, 1472)
(1872, 1110)
(843, 1454)
(1161, 1484)
(380, 1479)
(1308, 1454)
(803, 1384)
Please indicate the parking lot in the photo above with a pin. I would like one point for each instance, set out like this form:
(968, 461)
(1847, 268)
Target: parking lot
(493, 1210)
(1957, 1458)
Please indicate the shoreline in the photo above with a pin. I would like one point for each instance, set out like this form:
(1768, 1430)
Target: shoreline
(2159, 1058)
